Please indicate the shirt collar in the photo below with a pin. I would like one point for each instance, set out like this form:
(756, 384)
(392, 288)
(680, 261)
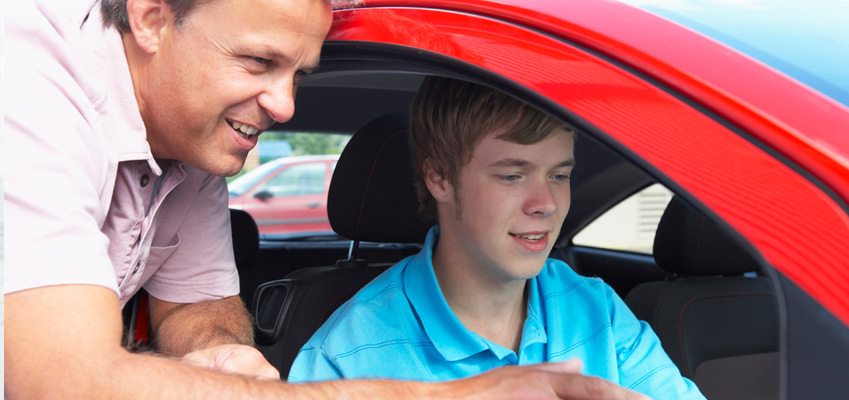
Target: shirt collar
(534, 330)
(448, 335)
(445, 331)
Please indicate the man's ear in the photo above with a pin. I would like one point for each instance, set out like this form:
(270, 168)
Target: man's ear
(147, 19)
(438, 185)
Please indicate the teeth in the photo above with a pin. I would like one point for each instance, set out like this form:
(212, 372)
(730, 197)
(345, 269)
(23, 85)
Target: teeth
(532, 238)
(246, 130)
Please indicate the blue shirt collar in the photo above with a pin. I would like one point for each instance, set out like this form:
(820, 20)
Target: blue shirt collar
(448, 335)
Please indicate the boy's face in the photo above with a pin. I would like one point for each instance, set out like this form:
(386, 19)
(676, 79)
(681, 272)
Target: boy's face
(510, 203)
(231, 69)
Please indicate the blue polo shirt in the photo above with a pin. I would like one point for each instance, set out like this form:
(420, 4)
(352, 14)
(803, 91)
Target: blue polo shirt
(399, 326)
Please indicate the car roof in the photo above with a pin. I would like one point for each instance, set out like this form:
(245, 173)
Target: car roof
(670, 54)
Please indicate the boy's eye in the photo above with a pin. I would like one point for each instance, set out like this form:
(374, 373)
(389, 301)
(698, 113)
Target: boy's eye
(510, 178)
(561, 177)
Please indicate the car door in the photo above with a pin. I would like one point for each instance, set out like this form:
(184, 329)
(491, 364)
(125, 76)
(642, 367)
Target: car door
(293, 199)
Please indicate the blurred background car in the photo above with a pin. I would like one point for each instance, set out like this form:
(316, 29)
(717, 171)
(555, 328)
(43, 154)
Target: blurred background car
(287, 195)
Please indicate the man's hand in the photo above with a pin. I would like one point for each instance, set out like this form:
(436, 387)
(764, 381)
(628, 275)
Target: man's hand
(234, 359)
(541, 381)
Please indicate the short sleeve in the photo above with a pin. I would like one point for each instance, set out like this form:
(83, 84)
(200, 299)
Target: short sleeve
(56, 165)
(202, 266)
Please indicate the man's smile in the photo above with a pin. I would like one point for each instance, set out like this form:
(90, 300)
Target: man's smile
(244, 130)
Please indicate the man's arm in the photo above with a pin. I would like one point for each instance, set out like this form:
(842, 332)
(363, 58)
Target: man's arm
(180, 329)
(214, 334)
(64, 342)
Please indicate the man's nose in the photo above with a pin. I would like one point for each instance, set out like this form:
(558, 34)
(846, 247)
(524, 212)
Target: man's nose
(278, 100)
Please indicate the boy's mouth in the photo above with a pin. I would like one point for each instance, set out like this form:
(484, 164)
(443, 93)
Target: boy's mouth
(529, 237)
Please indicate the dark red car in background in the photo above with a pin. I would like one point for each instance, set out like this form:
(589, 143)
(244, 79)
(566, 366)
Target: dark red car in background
(287, 195)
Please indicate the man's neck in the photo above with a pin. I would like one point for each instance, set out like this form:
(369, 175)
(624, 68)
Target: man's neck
(492, 308)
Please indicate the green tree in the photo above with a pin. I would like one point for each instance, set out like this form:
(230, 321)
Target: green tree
(310, 143)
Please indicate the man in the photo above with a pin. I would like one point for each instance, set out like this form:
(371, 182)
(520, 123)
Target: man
(482, 292)
(120, 119)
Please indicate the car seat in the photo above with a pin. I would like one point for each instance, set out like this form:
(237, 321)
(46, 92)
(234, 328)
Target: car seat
(245, 238)
(717, 319)
(371, 198)
(245, 234)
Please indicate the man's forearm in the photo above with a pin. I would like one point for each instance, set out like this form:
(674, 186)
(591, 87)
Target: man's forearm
(85, 361)
(190, 327)
(186, 382)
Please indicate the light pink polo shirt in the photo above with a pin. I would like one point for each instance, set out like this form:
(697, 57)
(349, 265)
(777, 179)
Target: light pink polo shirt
(85, 202)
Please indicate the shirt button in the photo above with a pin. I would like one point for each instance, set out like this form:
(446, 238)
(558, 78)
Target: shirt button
(136, 269)
(144, 180)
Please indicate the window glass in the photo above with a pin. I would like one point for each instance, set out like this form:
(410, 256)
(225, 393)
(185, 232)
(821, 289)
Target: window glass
(299, 179)
(629, 225)
(240, 185)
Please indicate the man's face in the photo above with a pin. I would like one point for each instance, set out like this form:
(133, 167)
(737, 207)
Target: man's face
(513, 199)
(230, 70)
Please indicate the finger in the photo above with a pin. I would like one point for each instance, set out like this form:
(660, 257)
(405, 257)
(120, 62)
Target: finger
(571, 366)
(580, 387)
(269, 374)
(198, 359)
(263, 372)
(246, 360)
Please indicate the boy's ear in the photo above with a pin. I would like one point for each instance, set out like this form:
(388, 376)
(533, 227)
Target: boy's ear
(147, 19)
(438, 185)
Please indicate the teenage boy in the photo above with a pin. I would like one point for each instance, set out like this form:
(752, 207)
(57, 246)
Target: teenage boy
(483, 293)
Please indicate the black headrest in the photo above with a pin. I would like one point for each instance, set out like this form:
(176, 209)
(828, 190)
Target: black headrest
(372, 195)
(245, 238)
(687, 243)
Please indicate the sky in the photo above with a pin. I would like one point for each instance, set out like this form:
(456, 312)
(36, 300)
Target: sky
(808, 40)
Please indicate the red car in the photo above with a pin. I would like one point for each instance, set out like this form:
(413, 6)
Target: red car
(756, 143)
(287, 195)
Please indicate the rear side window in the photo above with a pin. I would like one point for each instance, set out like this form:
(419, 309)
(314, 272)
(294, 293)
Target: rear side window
(629, 225)
(297, 180)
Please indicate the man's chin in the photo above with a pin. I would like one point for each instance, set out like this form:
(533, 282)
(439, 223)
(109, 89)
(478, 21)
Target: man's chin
(228, 172)
(224, 167)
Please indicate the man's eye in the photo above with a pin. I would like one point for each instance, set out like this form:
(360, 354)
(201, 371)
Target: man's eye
(260, 60)
(509, 178)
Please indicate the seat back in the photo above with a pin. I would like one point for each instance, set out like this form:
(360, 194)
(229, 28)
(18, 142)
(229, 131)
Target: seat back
(245, 234)
(371, 198)
(245, 238)
(717, 319)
